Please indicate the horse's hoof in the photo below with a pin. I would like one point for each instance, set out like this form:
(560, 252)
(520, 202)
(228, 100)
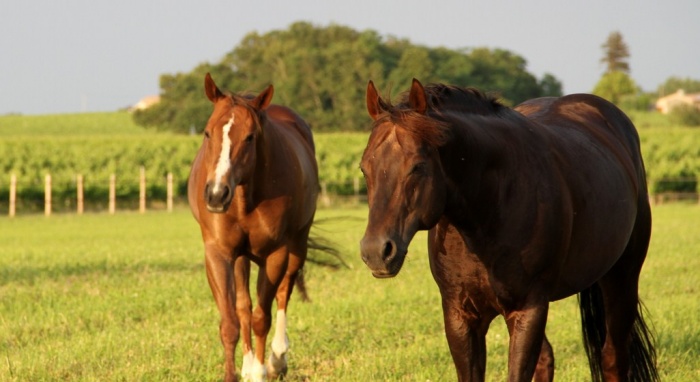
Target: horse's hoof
(277, 366)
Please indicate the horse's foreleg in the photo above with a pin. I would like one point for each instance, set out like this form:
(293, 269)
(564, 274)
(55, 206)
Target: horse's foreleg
(526, 328)
(241, 271)
(220, 280)
(269, 279)
(466, 336)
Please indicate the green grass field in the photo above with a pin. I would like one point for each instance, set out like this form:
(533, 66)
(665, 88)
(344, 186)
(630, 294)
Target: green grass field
(125, 298)
(84, 124)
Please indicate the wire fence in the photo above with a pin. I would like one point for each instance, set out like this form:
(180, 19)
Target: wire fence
(23, 197)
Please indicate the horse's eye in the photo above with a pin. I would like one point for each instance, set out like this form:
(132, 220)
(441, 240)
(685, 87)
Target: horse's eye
(249, 138)
(419, 169)
(206, 134)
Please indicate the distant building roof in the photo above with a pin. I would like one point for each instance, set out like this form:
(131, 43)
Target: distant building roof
(145, 103)
(667, 103)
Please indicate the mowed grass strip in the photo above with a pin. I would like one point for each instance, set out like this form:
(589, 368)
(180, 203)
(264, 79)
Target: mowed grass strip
(125, 297)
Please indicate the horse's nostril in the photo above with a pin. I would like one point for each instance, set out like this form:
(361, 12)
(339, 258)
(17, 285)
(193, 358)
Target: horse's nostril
(388, 250)
(225, 193)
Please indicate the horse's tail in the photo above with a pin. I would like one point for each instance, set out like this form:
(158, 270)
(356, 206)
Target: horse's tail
(301, 285)
(320, 252)
(593, 324)
(641, 347)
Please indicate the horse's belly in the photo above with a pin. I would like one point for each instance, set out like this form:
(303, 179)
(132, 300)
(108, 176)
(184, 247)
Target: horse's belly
(597, 241)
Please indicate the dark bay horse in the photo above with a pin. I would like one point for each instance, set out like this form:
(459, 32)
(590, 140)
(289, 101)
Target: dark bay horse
(253, 189)
(524, 207)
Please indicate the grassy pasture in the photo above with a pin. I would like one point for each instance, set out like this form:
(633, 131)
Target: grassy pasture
(125, 298)
(83, 124)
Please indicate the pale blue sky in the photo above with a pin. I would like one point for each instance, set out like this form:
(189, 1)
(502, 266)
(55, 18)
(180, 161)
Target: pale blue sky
(64, 56)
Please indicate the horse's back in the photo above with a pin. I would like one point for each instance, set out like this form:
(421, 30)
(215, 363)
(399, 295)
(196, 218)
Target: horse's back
(581, 121)
(596, 158)
(290, 137)
(286, 117)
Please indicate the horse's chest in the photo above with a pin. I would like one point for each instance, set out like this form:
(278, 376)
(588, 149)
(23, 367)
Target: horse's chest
(256, 236)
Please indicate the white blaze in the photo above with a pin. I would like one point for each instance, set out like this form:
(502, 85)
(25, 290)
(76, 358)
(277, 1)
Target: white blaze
(224, 163)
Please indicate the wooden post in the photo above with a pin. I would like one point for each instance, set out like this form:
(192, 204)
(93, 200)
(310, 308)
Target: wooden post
(47, 195)
(324, 195)
(13, 194)
(356, 188)
(169, 188)
(112, 194)
(79, 187)
(142, 190)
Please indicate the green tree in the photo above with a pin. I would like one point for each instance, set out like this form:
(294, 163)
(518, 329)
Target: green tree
(616, 54)
(551, 86)
(415, 62)
(322, 72)
(616, 86)
(689, 85)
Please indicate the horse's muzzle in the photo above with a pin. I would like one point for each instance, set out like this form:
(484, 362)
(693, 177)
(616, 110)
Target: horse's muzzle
(383, 256)
(217, 196)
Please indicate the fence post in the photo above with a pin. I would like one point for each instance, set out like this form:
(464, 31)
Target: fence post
(112, 194)
(356, 188)
(142, 190)
(324, 195)
(79, 187)
(13, 194)
(169, 201)
(47, 195)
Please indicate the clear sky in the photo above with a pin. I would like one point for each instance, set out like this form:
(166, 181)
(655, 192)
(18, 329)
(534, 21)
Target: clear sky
(66, 56)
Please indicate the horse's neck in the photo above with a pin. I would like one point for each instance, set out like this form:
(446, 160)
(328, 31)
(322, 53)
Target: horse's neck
(473, 159)
(248, 195)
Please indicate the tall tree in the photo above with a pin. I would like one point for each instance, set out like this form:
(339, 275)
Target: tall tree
(615, 54)
(616, 85)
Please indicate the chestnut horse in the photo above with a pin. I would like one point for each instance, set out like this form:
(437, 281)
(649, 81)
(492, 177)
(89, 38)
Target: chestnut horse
(253, 189)
(524, 207)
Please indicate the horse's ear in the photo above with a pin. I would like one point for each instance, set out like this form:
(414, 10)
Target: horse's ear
(417, 98)
(262, 101)
(375, 105)
(213, 92)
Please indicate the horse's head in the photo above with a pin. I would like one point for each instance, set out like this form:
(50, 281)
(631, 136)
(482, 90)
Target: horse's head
(405, 180)
(231, 138)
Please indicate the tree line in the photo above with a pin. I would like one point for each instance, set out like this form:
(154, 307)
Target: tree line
(321, 72)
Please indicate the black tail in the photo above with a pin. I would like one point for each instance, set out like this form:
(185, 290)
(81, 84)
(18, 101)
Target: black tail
(320, 252)
(642, 351)
(593, 323)
(641, 347)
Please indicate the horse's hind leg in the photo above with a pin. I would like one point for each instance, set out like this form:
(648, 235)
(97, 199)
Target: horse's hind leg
(544, 371)
(627, 352)
(277, 362)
